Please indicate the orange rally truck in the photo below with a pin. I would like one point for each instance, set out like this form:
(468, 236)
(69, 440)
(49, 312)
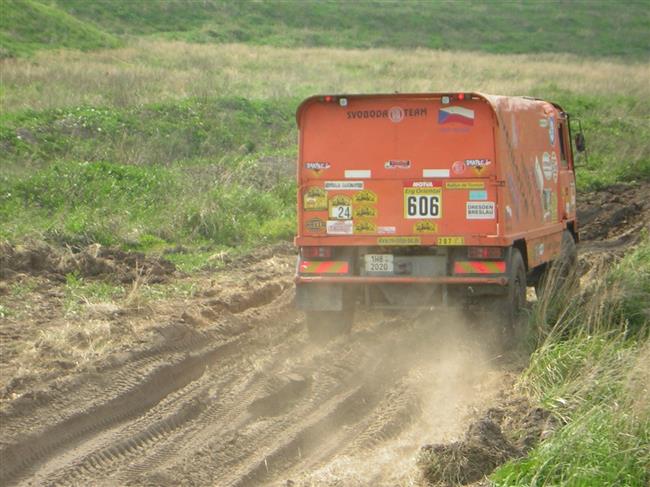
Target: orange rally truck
(412, 201)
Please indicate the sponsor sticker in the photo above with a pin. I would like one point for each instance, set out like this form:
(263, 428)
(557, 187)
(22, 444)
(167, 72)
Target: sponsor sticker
(478, 165)
(458, 167)
(358, 173)
(425, 227)
(422, 202)
(365, 226)
(314, 199)
(547, 167)
(477, 195)
(365, 196)
(316, 225)
(539, 177)
(365, 211)
(397, 164)
(480, 211)
(317, 166)
(450, 241)
(554, 166)
(435, 173)
(456, 114)
(339, 227)
(394, 114)
(551, 131)
(398, 240)
(464, 185)
(340, 207)
(386, 230)
(543, 122)
(343, 185)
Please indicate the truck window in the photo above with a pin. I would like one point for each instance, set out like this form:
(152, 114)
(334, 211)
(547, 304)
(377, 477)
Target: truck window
(565, 163)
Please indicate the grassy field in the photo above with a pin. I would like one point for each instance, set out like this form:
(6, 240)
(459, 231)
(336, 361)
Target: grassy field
(594, 28)
(146, 146)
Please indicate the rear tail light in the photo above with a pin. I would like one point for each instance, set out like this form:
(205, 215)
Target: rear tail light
(317, 252)
(484, 252)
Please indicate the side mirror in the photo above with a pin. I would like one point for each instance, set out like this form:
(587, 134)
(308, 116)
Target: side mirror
(580, 142)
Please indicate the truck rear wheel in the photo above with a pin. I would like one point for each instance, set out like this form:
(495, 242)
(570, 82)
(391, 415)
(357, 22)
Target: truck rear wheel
(509, 311)
(324, 326)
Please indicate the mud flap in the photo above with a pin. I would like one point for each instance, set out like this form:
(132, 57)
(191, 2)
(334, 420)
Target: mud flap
(319, 297)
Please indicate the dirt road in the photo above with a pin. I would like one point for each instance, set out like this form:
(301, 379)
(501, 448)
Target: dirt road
(250, 401)
(230, 392)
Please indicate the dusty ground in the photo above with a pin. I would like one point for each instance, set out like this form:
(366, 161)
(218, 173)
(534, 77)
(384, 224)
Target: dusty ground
(131, 373)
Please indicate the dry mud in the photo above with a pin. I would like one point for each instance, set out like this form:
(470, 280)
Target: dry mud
(225, 388)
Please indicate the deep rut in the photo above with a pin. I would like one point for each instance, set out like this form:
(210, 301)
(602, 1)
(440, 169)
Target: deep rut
(261, 405)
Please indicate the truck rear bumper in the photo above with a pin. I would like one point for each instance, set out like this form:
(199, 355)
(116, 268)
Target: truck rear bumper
(499, 281)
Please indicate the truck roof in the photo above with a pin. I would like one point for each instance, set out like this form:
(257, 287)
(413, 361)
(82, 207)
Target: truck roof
(494, 101)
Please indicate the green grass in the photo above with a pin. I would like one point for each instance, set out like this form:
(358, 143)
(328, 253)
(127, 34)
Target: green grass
(591, 370)
(29, 25)
(597, 28)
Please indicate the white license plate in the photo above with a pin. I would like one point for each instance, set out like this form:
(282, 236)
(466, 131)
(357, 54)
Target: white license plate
(379, 263)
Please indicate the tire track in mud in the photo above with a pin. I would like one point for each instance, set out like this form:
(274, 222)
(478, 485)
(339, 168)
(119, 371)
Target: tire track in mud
(261, 406)
(132, 392)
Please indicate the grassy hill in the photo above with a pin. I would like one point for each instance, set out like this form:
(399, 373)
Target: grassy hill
(595, 28)
(28, 25)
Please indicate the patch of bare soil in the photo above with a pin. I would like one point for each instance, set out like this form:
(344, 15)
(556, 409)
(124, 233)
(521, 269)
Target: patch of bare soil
(97, 261)
(613, 219)
(502, 433)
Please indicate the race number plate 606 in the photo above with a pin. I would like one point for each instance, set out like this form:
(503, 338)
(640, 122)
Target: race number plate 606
(422, 203)
(379, 263)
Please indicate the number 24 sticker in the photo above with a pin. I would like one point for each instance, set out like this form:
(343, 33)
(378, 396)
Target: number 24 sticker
(340, 208)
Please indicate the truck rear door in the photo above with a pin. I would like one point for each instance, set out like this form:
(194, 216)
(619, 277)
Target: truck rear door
(391, 169)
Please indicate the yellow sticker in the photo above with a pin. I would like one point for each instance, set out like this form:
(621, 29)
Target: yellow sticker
(315, 199)
(398, 241)
(315, 225)
(366, 196)
(422, 202)
(365, 226)
(425, 227)
(450, 241)
(465, 185)
(365, 211)
(340, 207)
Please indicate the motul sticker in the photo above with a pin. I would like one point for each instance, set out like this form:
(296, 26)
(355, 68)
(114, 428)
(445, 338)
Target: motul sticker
(343, 185)
(480, 211)
(397, 164)
(365, 196)
(315, 199)
(339, 227)
(315, 225)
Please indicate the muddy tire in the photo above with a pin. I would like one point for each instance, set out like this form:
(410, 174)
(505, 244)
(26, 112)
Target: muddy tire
(323, 326)
(509, 311)
(562, 272)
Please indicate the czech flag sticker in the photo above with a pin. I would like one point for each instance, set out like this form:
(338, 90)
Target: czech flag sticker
(461, 115)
